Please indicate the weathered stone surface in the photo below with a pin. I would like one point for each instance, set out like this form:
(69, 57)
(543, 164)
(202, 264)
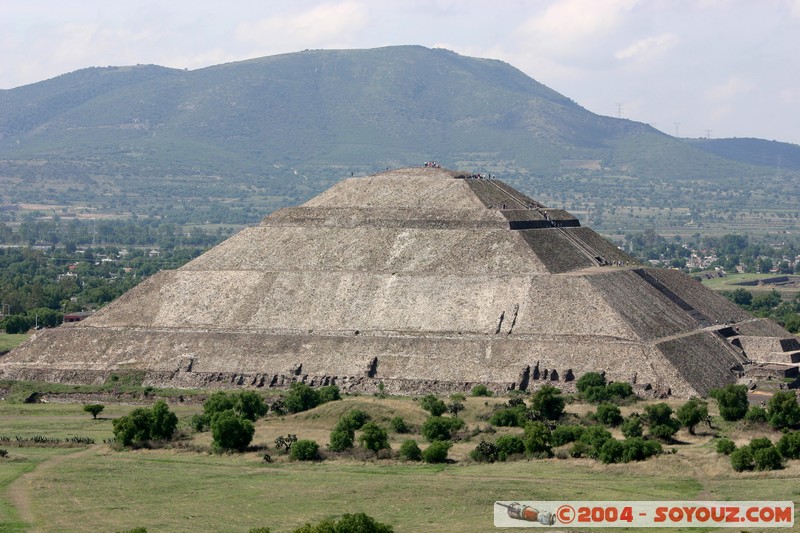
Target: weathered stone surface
(422, 280)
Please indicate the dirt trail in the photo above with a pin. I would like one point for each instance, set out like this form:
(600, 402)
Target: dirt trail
(19, 491)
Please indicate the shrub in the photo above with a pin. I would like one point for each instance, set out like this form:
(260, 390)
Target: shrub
(593, 438)
(410, 451)
(565, 434)
(742, 459)
(399, 425)
(250, 405)
(200, 423)
(373, 437)
(230, 431)
(484, 452)
(437, 451)
(349, 523)
(509, 445)
(3, 452)
(632, 426)
(725, 446)
(611, 451)
(353, 419)
(537, 439)
(455, 408)
(163, 421)
(732, 400)
(304, 450)
(218, 402)
(789, 445)
(549, 402)
(590, 379)
(692, 413)
(608, 414)
(437, 428)
(134, 428)
(433, 405)
(341, 439)
(767, 459)
(144, 424)
(329, 393)
(756, 415)
(458, 397)
(639, 449)
(660, 421)
(480, 390)
(301, 397)
(619, 389)
(94, 409)
(596, 394)
(783, 410)
(509, 417)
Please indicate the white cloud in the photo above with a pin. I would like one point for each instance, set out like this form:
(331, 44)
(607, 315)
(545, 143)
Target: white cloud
(648, 47)
(567, 27)
(320, 25)
(729, 90)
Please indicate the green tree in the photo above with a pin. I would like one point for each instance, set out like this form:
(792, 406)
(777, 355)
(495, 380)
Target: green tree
(373, 437)
(94, 409)
(692, 413)
(484, 452)
(304, 450)
(134, 428)
(329, 393)
(230, 431)
(341, 439)
(608, 414)
(508, 445)
(163, 421)
(480, 390)
(353, 419)
(767, 459)
(301, 397)
(399, 425)
(660, 421)
(410, 451)
(590, 379)
(789, 445)
(611, 451)
(549, 402)
(725, 446)
(565, 433)
(437, 451)
(433, 405)
(437, 428)
(250, 405)
(742, 459)
(537, 439)
(349, 523)
(783, 410)
(632, 426)
(732, 400)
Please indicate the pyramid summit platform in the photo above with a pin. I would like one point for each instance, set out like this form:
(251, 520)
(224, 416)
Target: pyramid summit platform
(419, 279)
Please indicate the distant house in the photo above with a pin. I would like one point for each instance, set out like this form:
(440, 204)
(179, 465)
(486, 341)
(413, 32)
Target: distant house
(76, 317)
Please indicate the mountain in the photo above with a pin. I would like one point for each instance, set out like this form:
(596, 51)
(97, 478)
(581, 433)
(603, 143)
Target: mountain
(285, 127)
(758, 152)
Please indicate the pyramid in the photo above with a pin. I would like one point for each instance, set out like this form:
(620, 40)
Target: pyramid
(412, 280)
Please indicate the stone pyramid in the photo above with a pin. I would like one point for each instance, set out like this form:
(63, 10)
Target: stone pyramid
(418, 279)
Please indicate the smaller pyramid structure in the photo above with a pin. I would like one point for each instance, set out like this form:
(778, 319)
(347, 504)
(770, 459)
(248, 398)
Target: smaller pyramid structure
(416, 280)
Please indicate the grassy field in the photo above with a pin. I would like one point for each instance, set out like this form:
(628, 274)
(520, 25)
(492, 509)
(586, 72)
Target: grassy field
(732, 282)
(9, 340)
(185, 488)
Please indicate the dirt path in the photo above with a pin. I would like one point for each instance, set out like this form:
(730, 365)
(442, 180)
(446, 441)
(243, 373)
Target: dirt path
(19, 491)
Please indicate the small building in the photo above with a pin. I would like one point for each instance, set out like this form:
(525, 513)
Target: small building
(77, 317)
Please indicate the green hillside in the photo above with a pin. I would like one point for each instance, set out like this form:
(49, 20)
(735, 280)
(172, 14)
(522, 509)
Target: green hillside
(273, 131)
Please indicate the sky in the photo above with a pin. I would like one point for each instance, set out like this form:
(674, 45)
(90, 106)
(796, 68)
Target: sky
(691, 68)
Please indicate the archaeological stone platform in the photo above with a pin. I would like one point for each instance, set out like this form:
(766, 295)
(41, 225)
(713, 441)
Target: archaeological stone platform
(413, 280)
